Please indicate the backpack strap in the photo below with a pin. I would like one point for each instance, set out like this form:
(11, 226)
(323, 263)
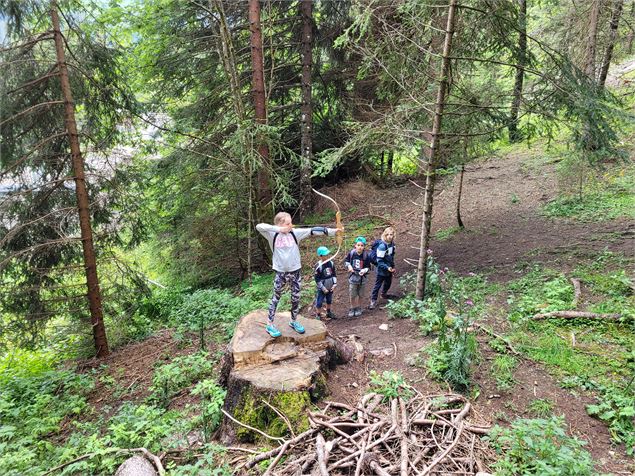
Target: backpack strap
(275, 236)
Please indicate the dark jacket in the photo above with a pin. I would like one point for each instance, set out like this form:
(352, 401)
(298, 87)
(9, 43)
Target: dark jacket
(355, 263)
(325, 275)
(385, 258)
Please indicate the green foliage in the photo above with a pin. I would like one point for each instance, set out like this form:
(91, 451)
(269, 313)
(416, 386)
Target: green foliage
(21, 364)
(503, 371)
(390, 384)
(207, 464)
(181, 372)
(593, 207)
(446, 233)
(212, 399)
(452, 359)
(141, 426)
(251, 410)
(541, 407)
(539, 447)
(616, 407)
(32, 408)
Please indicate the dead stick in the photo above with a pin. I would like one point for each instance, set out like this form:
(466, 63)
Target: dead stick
(281, 451)
(445, 452)
(387, 435)
(576, 315)
(281, 415)
(263, 456)
(404, 438)
(322, 455)
(336, 430)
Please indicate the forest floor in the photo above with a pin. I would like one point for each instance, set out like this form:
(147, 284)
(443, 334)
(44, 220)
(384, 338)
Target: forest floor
(505, 235)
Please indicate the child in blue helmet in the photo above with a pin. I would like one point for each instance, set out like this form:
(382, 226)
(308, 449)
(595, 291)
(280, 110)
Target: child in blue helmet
(358, 264)
(326, 281)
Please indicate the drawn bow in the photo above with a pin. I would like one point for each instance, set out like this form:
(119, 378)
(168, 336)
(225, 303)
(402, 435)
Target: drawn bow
(339, 236)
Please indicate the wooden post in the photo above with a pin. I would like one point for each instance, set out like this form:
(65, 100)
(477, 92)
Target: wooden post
(426, 220)
(90, 262)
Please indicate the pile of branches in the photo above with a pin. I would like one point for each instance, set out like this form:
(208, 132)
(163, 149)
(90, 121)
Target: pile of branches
(384, 436)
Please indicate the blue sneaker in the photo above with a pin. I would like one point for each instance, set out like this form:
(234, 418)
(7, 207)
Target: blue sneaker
(296, 326)
(273, 332)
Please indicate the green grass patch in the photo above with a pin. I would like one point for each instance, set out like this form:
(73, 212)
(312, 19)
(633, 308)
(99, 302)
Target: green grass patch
(541, 407)
(446, 233)
(503, 368)
(609, 197)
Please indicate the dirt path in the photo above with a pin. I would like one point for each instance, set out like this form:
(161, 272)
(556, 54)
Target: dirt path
(501, 203)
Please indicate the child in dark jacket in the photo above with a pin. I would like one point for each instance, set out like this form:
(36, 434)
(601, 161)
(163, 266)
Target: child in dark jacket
(326, 281)
(385, 266)
(358, 265)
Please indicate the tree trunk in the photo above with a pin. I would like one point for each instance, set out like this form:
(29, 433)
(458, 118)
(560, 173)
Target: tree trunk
(229, 65)
(458, 199)
(306, 110)
(608, 54)
(434, 148)
(229, 59)
(389, 164)
(90, 262)
(260, 103)
(631, 34)
(514, 135)
(589, 61)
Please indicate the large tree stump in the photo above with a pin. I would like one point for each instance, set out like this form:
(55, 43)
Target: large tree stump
(271, 382)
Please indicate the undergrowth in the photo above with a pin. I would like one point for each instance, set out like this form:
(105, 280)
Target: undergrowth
(532, 447)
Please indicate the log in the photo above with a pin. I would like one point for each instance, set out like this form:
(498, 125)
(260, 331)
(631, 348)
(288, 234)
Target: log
(272, 382)
(576, 315)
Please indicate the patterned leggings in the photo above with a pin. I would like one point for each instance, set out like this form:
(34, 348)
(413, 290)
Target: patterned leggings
(294, 280)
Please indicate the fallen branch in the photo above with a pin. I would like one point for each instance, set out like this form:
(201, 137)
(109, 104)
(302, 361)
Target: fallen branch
(576, 315)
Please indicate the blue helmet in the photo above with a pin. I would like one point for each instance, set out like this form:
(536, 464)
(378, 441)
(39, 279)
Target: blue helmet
(323, 251)
(360, 239)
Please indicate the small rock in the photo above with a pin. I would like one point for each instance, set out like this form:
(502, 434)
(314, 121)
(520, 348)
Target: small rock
(494, 395)
(383, 327)
(136, 466)
(354, 385)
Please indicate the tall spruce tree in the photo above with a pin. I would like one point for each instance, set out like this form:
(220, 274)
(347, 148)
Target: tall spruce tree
(52, 200)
